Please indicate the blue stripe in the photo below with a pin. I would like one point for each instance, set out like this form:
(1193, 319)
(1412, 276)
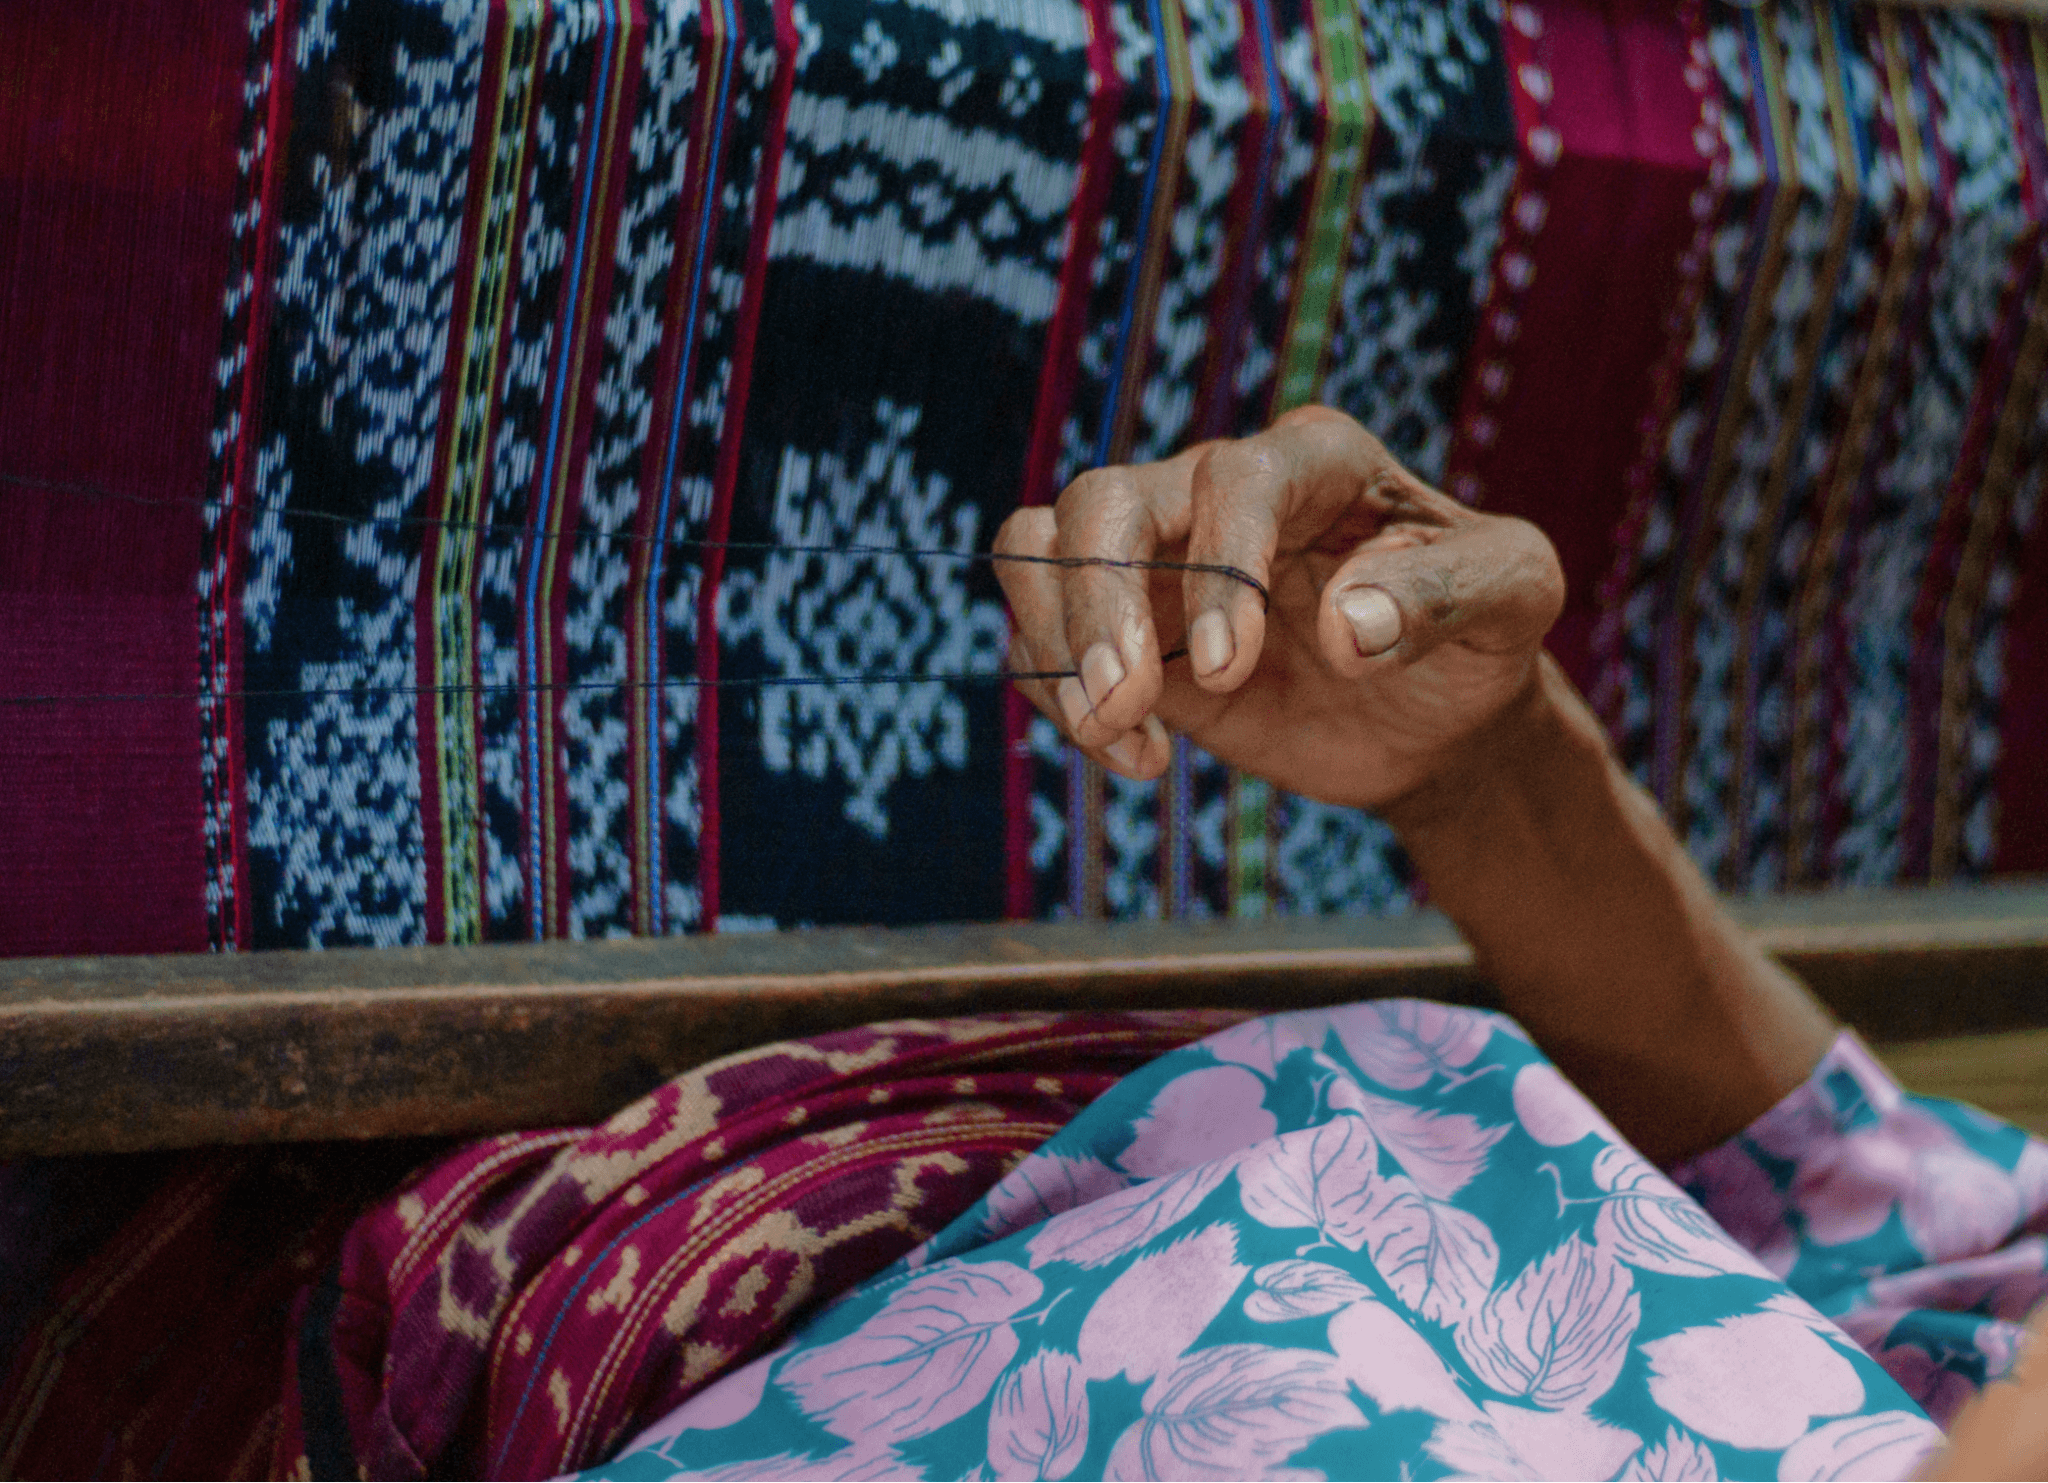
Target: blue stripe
(544, 549)
(656, 694)
(568, 1302)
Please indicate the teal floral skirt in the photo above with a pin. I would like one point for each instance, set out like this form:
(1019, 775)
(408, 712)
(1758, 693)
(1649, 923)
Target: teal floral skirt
(1392, 1240)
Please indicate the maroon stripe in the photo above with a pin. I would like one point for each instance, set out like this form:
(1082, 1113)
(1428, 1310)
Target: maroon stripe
(1601, 257)
(727, 473)
(696, 220)
(118, 184)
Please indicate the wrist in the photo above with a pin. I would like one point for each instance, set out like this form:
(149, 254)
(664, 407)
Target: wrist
(1504, 769)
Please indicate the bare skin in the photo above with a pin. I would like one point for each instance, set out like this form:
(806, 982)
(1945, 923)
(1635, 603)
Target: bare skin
(2003, 1433)
(1400, 668)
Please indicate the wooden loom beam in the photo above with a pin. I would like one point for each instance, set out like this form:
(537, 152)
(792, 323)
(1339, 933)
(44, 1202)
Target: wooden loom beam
(117, 1054)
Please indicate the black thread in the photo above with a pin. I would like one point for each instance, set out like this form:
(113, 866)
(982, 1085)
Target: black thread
(751, 682)
(690, 682)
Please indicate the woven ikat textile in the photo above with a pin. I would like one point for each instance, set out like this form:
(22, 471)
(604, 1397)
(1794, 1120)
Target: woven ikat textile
(396, 359)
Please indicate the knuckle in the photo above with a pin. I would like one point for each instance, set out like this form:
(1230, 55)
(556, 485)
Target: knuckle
(1092, 493)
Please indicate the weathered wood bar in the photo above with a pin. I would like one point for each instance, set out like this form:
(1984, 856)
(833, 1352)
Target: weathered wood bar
(115, 1054)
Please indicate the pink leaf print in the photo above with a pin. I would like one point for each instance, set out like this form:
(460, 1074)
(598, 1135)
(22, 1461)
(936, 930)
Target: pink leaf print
(1679, 1458)
(1320, 1177)
(1298, 1289)
(1934, 1387)
(1234, 1411)
(853, 1465)
(1756, 1380)
(1044, 1185)
(1038, 1422)
(1394, 1365)
(1262, 1044)
(1120, 1223)
(1559, 1332)
(719, 1404)
(1647, 1221)
(1159, 1305)
(1200, 1115)
(1440, 1260)
(1743, 1201)
(1440, 1151)
(1554, 1112)
(1563, 1444)
(930, 1355)
(1953, 1203)
(2006, 1283)
(1402, 1043)
(1473, 1449)
(1890, 1444)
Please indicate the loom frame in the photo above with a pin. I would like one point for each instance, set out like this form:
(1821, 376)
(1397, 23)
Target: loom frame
(121, 1054)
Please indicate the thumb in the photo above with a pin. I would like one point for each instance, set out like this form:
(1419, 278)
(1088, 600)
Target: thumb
(1490, 583)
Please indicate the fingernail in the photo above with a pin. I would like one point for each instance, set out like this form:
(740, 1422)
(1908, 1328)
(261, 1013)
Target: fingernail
(1375, 621)
(1125, 751)
(1210, 649)
(1101, 672)
(1156, 731)
(1073, 702)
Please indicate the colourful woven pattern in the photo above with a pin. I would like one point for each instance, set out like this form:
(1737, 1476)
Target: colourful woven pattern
(513, 1307)
(528, 1303)
(506, 307)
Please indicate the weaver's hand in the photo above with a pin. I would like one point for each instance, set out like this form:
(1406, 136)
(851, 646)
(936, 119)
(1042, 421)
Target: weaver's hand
(1400, 624)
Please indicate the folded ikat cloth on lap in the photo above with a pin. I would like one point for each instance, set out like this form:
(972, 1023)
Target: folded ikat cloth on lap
(527, 1302)
(1391, 1240)
(514, 1306)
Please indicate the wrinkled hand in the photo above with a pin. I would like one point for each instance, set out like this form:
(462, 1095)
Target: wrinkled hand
(1401, 623)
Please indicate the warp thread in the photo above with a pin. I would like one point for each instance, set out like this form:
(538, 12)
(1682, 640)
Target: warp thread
(750, 682)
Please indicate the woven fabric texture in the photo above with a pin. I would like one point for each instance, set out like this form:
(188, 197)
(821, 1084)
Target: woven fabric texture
(512, 1307)
(382, 366)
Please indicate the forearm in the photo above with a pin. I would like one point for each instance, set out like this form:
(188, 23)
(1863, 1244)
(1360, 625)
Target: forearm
(1600, 934)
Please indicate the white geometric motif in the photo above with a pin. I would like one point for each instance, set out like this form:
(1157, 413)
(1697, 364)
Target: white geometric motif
(855, 614)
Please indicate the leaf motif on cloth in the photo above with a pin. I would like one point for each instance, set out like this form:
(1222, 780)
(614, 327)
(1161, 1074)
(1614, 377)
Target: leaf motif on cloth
(1320, 1177)
(1441, 1261)
(1888, 1444)
(1301, 1289)
(1440, 1151)
(1554, 1112)
(1395, 1366)
(1558, 1333)
(1679, 1458)
(1262, 1044)
(1647, 1221)
(1756, 1380)
(1234, 1411)
(726, 1400)
(1158, 1306)
(1044, 1185)
(1563, 1444)
(1038, 1422)
(1207, 1113)
(856, 1464)
(1402, 1043)
(1120, 1223)
(930, 1355)
(1473, 1449)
